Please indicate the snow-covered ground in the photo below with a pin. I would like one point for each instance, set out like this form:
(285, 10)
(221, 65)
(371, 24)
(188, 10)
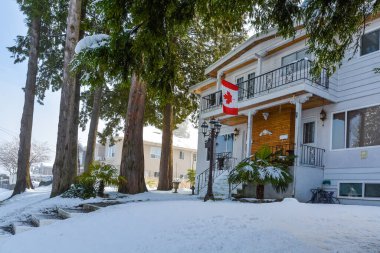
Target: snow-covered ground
(168, 222)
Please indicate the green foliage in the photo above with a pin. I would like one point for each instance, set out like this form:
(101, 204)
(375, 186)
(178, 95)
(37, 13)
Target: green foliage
(91, 182)
(266, 168)
(53, 15)
(191, 173)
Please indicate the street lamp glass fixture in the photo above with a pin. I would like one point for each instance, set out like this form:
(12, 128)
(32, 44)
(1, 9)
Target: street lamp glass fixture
(204, 127)
(212, 122)
(217, 126)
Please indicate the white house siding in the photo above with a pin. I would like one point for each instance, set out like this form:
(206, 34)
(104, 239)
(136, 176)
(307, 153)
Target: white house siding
(346, 164)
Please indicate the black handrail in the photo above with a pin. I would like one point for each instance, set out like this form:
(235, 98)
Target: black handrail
(263, 84)
(211, 101)
(311, 156)
(223, 162)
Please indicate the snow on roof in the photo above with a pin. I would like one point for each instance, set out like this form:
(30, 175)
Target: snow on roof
(91, 42)
(154, 135)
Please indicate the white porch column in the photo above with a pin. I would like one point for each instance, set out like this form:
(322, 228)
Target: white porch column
(259, 64)
(298, 131)
(249, 134)
(219, 80)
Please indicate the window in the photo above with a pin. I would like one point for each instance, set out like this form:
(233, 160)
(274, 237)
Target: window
(370, 42)
(111, 151)
(294, 57)
(350, 190)
(359, 190)
(194, 157)
(308, 132)
(240, 83)
(156, 174)
(251, 84)
(362, 127)
(372, 190)
(181, 155)
(155, 152)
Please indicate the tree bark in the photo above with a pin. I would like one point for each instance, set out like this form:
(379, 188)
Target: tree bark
(23, 171)
(166, 161)
(132, 160)
(91, 140)
(63, 173)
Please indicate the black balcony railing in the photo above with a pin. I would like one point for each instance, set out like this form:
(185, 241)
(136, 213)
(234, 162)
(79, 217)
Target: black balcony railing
(211, 101)
(265, 83)
(311, 156)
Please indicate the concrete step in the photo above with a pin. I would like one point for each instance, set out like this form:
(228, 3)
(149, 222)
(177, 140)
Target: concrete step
(39, 220)
(21, 226)
(66, 213)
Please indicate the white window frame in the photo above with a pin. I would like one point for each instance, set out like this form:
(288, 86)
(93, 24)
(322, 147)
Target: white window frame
(154, 154)
(345, 128)
(183, 155)
(363, 182)
(111, 152)
(309, 120)
(374, 29)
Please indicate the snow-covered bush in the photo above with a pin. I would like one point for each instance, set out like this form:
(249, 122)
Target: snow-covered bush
(264, 168)
(93, 181)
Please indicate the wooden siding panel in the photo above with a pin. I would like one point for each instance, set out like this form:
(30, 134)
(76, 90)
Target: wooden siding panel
(280, 121)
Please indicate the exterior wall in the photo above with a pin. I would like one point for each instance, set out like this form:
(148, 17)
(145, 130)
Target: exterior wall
(280, 122)
(346, 164)
(152, 165)
(306, 178)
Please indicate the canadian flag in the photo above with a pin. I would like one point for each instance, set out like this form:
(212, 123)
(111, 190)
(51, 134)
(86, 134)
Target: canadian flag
(230, 98)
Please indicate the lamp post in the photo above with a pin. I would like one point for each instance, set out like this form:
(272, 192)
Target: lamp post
(212, 133)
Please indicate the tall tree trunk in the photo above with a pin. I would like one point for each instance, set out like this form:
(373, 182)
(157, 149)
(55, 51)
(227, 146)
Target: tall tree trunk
(63, 174)
(132, 159)
(23, 171)
(91, 140)
(166, 162)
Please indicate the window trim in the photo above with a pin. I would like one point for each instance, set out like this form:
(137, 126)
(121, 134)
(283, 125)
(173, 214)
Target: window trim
(295, 52)
(345, 127)
(309, 120)
(150, 153)
(363, 189)
(361, 41)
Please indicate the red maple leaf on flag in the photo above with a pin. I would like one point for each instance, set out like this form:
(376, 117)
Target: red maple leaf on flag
(228, 97)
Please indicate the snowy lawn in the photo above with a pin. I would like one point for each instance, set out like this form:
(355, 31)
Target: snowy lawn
(180, 223)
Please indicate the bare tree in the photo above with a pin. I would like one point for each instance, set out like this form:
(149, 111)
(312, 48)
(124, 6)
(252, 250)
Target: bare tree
(40, 152)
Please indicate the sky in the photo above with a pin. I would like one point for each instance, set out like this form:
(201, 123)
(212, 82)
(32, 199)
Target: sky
(12, 80)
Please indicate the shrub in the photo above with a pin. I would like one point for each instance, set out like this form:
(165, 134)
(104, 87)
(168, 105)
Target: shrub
(265, 168)
(93, 181)
(191, 176)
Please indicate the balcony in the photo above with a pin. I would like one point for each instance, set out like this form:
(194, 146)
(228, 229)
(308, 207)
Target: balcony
(271, 81)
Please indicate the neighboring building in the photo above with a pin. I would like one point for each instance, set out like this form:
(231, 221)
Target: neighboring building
(184, 154)
(4, 181)
(42, 169)
(331, 123)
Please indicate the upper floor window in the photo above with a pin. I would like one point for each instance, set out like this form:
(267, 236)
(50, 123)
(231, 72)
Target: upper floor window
(240, 83)
(356, 128)
(181, 155)
(308, 132)
(155, 152)
(194, 157)
(370, 42)
(111, 151)
(294, 57)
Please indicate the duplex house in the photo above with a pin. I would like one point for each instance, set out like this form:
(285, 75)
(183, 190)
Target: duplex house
(331, 123)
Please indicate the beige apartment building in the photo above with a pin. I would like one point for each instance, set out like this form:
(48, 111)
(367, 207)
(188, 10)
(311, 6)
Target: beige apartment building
(184, 154)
